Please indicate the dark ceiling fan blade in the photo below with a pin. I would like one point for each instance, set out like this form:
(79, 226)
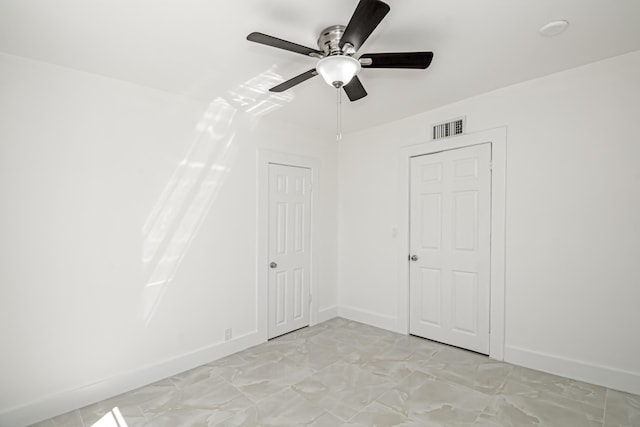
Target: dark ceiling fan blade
(414, 60)
(354, 89)
(294, 81)
(365, 19)
(283, 44)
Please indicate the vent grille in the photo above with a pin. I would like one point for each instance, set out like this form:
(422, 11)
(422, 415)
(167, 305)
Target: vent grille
(448, 129)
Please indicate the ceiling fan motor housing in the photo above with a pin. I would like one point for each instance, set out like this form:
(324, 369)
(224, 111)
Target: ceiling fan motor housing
(329, 41)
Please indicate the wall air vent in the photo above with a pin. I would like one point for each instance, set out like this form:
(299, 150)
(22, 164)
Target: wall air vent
(448, 129)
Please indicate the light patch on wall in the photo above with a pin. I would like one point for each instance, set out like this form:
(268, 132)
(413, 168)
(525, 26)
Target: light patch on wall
(191, 191)
(185, 201)
(253, 96)
(113, 418)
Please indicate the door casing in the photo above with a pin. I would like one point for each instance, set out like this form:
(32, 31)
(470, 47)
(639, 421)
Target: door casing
(497, 138)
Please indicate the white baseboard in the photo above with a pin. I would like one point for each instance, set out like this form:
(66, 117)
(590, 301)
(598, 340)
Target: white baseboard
(327, 314)
(605, 376)
(68, 400)
(389, 323)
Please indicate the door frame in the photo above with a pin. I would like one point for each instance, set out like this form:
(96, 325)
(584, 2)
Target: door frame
(264, 158)
(498, 140)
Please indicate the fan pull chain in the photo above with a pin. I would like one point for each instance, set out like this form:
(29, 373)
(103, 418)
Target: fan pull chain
(339, 116)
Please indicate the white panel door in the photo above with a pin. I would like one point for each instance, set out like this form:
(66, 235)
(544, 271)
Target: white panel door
(289, 248)
(450, 231)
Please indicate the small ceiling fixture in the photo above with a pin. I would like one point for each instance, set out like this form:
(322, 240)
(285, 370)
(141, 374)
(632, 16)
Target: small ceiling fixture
(554, 28)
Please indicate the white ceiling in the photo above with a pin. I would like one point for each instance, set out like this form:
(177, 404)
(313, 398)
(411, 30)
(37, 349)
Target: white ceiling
(199, 48)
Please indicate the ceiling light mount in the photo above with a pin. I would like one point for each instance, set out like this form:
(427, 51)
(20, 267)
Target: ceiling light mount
(554, 28)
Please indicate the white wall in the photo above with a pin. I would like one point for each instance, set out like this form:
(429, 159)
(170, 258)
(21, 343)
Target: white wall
(572, 231)
(128, 233)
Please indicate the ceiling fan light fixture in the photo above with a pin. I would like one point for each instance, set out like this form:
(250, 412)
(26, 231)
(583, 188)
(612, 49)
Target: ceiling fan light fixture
(338, 70)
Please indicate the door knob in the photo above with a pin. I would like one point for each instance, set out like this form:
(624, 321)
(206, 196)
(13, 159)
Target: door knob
(273, 265)
(414, 257)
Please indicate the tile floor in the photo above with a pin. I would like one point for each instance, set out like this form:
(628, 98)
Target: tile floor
(343, 373)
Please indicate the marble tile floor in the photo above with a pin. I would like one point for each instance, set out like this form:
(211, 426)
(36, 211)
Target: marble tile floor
(344, 373)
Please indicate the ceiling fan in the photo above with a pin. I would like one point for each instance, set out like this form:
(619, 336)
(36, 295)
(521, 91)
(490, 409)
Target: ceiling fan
(336, 46)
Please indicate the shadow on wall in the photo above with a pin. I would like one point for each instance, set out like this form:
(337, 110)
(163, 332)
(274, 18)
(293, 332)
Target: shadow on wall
(186, 199)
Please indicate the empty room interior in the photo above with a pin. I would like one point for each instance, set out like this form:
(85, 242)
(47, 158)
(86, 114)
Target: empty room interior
(337, 213)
